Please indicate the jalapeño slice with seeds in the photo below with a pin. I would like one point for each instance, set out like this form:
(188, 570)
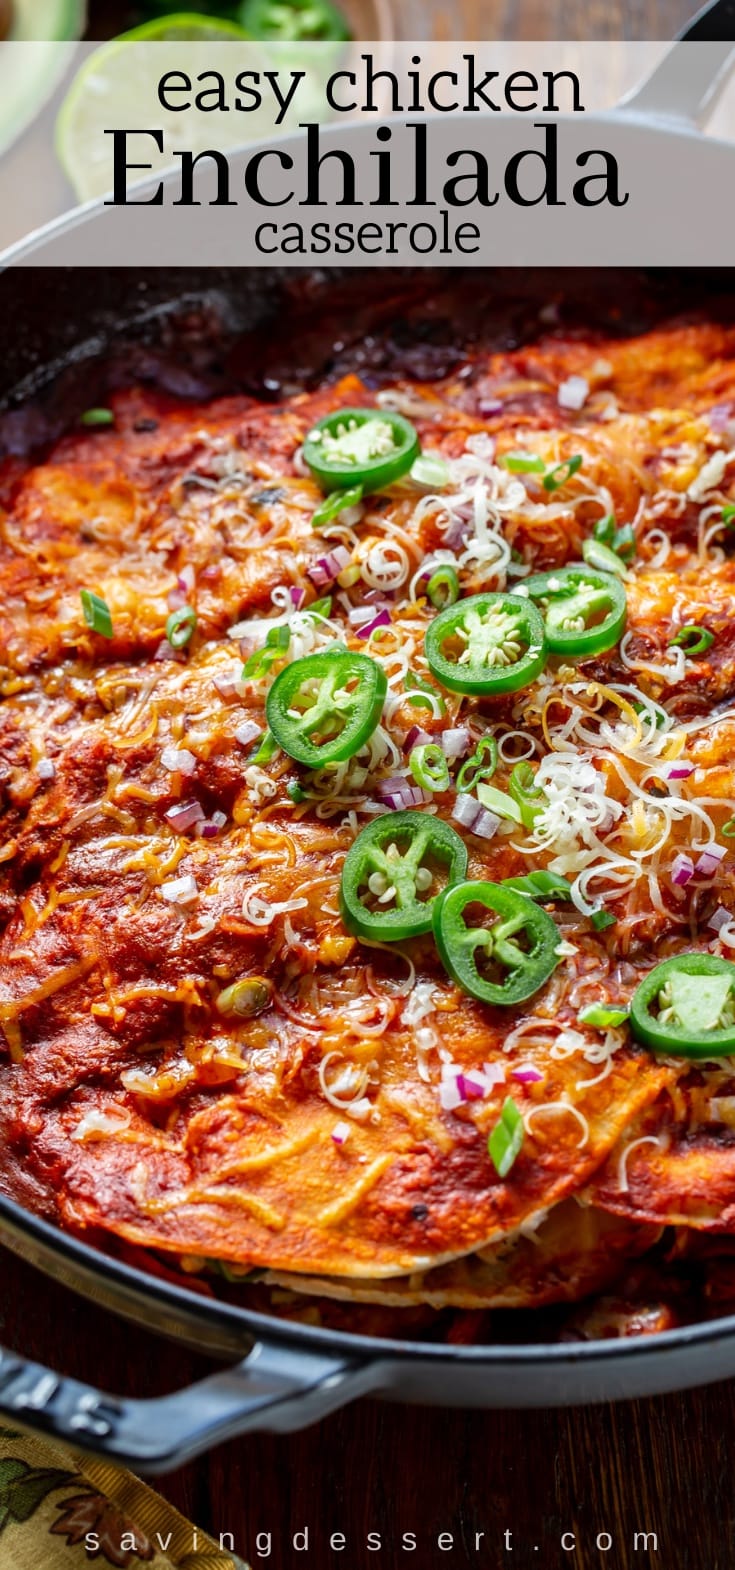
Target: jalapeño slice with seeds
(324, 708)
(685, 1007)
(508, 955)
(487, 644)
(394, 872)
(367, 447)
(584, 609)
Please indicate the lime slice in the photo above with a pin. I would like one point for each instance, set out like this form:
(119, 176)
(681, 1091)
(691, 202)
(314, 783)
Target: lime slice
(119, 81)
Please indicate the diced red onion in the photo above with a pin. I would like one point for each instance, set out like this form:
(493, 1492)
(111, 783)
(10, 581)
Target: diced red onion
(466, 810)
(682, 870)
(455, 742)
(486, 824)
(381, 620)
(360, 614)
(229, 682)
(710, 860)
(456, 535)
(393, 783)
(341, 1133)
(720, 416)
(719, 919)
(46, 769)
(210, 828)
(180, 891)
(247, 733)
(680, 771)
(297, 596)
(320, 573)
(416, 738)
(449, 1096)
(327, 568)
(184, 816)
(187, 579)
(411, 796)
(526, 1073)
(175, 599)
(166, 651)
(488, 406)
(178, 761)
(573, 393)
(471, 1087)
(379, 598)
(398, 792)
(472, 1084)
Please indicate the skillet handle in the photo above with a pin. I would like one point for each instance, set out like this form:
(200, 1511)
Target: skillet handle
(686, 85)
(276, 1388)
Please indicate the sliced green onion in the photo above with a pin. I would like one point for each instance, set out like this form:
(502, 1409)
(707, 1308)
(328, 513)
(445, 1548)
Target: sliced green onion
(600, 556)
(416, 686)
(481, 766)
(97, 613)
(245, 998)
(320, 608)
(180, 626)
(334, 504)
(429, 767)
(540, 885)
(295, 793)
(506, 1139)
(693, 639)
(660, 715)
(267, 749)
(728, 512)
(443, 587)
(601, 1017)
(497, 801)
(728, 829)
(529, 797)
(601, 919)
(604, 529)
(97, 417)
(276, 645)
(624, 541)
(430, 470)
(522, 463)
(561, 472)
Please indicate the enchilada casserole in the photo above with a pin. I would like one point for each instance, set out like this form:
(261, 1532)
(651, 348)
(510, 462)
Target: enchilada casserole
(368, 803)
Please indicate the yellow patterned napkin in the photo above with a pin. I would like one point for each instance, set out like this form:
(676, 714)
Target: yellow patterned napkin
(63, 1511)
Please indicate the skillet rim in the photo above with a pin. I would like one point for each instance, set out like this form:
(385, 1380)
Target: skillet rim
(266, 1328)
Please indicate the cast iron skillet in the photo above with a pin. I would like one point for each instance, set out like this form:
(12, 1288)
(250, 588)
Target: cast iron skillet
(287, 1375)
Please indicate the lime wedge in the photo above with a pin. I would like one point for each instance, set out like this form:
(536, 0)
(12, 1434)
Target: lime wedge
(118, 83)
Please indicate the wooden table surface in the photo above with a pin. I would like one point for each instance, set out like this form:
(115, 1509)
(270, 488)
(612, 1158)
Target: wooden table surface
(660, 1466)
